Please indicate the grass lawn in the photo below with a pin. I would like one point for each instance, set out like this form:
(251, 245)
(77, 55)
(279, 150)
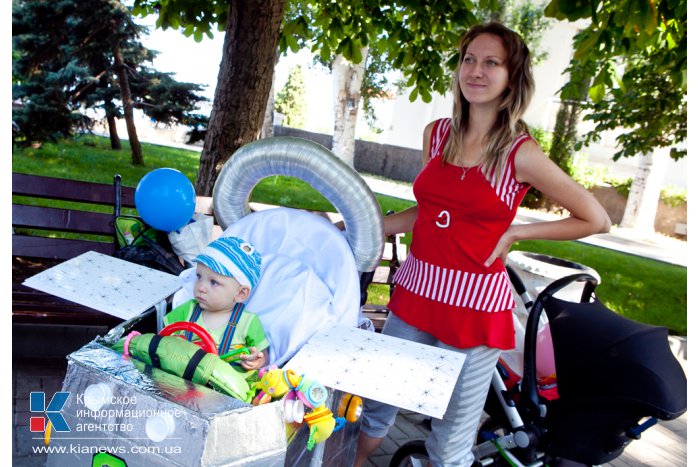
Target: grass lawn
(639, 288)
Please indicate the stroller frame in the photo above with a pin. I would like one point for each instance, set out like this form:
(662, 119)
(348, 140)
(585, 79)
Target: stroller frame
(518, 414)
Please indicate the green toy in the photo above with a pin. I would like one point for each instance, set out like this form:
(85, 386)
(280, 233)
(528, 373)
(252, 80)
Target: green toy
(187, 360)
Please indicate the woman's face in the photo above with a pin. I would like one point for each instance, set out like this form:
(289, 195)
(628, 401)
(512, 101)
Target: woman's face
(483, 74)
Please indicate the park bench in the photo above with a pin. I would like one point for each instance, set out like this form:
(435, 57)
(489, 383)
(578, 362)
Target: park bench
(36, 248)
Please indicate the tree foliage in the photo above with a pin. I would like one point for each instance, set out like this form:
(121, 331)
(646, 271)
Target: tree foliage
(634, 55)
(418, 36)
(648, 105)
(68, 64)
(526, 17)
(291, 100)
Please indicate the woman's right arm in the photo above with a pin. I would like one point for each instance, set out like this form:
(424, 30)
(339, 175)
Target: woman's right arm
(403, 221)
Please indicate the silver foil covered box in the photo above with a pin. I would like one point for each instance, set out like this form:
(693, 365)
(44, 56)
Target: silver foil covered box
(122, 412)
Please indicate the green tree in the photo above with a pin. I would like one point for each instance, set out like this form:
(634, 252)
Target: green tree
(291, 100)
(87, 55)
(418, 36)
(524, 17)
(631, 53)
(634, 55)
(58, 55)
(252, 31)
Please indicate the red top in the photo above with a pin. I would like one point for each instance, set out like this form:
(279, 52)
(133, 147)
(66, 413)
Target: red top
(443, 286)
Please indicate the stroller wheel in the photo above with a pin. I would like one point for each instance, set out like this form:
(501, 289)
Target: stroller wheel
(410, 454)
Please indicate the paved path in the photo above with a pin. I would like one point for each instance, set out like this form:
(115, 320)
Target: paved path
(663, 445)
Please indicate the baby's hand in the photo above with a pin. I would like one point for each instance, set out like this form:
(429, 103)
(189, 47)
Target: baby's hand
(254, 361)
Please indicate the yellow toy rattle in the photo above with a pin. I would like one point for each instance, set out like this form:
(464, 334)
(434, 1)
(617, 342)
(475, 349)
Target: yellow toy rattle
(322, 423)
(275, 383)
(299, 392)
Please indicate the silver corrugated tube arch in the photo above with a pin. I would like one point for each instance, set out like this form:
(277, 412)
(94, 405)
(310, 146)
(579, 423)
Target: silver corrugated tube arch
(317, 166)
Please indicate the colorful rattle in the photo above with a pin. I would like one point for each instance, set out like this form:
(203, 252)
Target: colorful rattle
(275, 383)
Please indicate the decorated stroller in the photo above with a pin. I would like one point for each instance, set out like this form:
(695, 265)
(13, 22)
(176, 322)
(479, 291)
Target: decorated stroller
(614, 378)
(134, 413)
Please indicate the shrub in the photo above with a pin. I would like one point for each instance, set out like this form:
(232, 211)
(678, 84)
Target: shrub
(543, 137)
(534, 199)
(621, 185)
(674, 196)
(671, 195)
(588, 175)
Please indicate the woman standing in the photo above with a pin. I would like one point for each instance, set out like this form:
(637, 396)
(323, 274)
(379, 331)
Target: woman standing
(453, 291)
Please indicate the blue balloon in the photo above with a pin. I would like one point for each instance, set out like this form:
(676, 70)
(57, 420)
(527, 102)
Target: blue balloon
(165, 199)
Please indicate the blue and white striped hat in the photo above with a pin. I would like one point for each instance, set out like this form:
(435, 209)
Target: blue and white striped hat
(233, 257)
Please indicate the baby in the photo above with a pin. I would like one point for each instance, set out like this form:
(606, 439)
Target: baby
(227, 271)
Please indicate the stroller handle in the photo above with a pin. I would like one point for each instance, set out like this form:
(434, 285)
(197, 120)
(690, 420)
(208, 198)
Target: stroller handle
(516, 280)
(531, 402)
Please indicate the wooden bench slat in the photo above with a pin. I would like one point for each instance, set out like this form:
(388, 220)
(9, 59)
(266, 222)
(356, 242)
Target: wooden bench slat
(383, 275)
(63, 316)
(31, 305)
(69, 190)
(56, 248)
(64, 220)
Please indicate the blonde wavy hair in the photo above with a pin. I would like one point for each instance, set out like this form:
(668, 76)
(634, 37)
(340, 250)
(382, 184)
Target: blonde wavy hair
(516, 98)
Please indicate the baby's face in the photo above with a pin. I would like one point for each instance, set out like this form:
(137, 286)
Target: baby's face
(215, 292)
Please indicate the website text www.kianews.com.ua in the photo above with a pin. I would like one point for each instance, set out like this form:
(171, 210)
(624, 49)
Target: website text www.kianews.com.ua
(117, 450)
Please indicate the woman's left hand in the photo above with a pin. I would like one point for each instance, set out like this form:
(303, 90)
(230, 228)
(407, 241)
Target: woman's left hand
(502, 247)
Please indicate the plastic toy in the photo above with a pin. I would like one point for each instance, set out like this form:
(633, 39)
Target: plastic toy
(185, 359)
(165, 199)
(321, 425)
(205, 342)
(275, 383)
(298, 392)
(235, 354)
(350, 407)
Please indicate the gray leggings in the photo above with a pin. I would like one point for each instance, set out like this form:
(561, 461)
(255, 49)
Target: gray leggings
(450, 440)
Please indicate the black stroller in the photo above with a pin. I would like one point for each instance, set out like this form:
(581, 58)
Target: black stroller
(614, 378)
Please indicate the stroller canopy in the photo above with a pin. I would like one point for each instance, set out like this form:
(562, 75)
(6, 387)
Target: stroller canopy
(602, 355)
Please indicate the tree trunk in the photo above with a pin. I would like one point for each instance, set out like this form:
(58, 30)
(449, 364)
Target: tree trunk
(269, 120)
(113, 134)
(565, 128)
(243, 85)
(136, 154)
(643, 199)
(347, 84)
